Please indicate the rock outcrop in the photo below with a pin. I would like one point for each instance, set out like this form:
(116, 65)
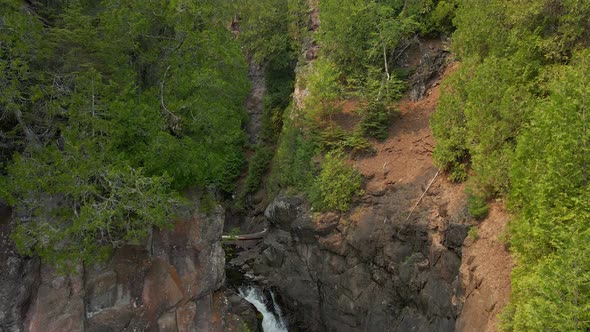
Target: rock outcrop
(173, 282)
(369, 270)
(254, 101)
(19, 279)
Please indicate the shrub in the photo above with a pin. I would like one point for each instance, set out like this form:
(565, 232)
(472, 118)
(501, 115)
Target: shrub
(336, 138)
(448, 124)
(322, 81)
(258, 166)
(473, 233)
(336, 185)
(477, 206)
(441, 18)
(376, 120)
(292, 165)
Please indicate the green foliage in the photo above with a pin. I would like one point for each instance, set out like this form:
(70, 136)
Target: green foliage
(20, 35)
(376, 120)
(110, 110)
(77, 206)
(357, 42)
(448, 124)
(207, 203)
(336, 138)
(268, 31)
(378, 29)
(271, 29)
(292, 165)
(280, 81)
(337, 184)
(480, 29)
(258, 166)
(346, 46)
(441, 18)
(322, 79)
(473, 233)
(554, 293)
(479, 118)
(355, 143)
(477, 207)
(377, 114)
(516, 113)
(233, 233)
(550, 174)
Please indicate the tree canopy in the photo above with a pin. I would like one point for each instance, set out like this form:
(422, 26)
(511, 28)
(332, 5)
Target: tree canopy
(515, 116)
(108, 110)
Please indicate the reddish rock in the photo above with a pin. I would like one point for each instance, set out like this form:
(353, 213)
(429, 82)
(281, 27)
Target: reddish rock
(59, 305)
(147, 287)
(161, 290)
(185, 317)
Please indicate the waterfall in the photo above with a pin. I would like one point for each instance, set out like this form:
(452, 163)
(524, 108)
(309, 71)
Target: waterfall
(272, 319)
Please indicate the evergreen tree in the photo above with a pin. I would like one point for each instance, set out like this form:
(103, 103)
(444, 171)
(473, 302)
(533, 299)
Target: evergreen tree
(111, 109)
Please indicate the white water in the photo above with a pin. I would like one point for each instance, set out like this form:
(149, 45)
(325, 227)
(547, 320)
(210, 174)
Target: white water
(270, 321)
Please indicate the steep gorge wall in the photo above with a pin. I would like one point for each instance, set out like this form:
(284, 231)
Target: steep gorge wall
(377, 268)
(173, 282)
(366, 271)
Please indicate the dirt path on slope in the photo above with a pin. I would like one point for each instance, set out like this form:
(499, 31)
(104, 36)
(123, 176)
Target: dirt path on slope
(403, 165)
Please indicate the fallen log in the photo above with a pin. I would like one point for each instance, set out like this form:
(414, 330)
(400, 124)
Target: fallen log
(242, 237)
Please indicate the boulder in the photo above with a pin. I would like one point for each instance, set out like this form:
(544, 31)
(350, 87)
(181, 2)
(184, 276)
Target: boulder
(454, 235)
(283, 211)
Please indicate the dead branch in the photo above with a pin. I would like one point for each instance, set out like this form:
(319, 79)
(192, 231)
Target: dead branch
(175, 118)
(242, 237)
(424, 193)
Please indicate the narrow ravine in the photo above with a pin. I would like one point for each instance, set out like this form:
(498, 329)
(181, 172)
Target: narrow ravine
(394, 262)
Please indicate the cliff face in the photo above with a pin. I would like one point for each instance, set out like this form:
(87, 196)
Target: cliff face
(172, 283)
(368, 271)
(396, 261)
(377, 267)
(19, 278)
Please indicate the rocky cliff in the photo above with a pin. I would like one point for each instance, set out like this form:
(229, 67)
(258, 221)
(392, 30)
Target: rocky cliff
(383, 266)
(396, 261)
(364, 271)
(173, 282)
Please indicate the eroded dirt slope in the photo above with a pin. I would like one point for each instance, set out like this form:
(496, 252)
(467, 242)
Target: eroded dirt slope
(404, 160)
(397, 260)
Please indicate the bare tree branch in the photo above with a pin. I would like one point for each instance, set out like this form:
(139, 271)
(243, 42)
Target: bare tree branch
(175, 118)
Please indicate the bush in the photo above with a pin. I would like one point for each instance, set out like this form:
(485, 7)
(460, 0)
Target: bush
(336, 138)
(336, 185)
(448, 124)
(292, 165)
(477, 207)
(322, 82)
(441, 18)
(473, 233)
(376, 120)
(258, 166)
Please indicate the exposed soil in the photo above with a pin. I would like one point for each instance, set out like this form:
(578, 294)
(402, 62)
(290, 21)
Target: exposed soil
(406, 153)
(405, 192)
(403, 165)
(347, 118)
(485, 272)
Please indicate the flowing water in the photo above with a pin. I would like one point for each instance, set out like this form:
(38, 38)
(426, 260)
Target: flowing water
(272, 319)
